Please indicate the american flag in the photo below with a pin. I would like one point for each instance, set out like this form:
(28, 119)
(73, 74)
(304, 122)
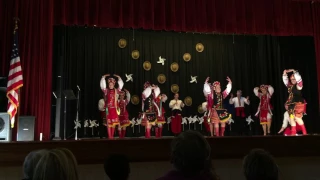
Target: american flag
(15, 80)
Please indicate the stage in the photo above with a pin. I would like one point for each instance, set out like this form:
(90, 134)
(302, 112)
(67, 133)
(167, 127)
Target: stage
(93, 151)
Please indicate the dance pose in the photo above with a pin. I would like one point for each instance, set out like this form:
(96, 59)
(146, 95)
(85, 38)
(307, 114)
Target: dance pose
(264, 106)
(239, 101)
(110, 98)
(296, 103)
(161, 116)
(286, 120)
(150, 109)
(216, 112)
(124, 116)
(176, 106)
(205, 116)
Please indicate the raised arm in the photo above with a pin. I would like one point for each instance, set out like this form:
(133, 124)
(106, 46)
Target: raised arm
(228, 89)
(256, 92)
(270, 90)
(298, 78)
(128, 96)
(120, 82)
(232, 99)
(164, 98)
(206, 89)
(146, 93)
(285, 78)
(156, 91)
(103, 84)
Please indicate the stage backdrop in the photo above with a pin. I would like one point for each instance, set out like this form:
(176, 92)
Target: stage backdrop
(88, 53)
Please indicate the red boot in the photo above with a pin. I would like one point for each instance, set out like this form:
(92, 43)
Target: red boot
(110, 135)
(147, 133)
(293, 131)
(222, 131)
(216, 129)
(157, 132)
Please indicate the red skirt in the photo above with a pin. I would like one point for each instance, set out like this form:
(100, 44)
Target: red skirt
(287, 131)
(124, 120)
(112, 117)
(264, 116)
(149, 118)
(176, 123)
(240, 112)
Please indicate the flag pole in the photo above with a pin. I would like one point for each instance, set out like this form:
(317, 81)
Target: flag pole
(16, 20)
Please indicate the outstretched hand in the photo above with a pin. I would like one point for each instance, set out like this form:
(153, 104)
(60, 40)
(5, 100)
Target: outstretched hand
(207, 79)
(228, 79)
(247, 97)
(281, 130)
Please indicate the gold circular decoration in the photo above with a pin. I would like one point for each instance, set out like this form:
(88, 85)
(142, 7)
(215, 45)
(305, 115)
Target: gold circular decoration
(174, 88)
(147, 65)
(199, 47)
(188, 101)
(186, 57)
(135, 99)
(135, 54)
(122, 43)
(174, 67)
(200, 109)
(161, 78)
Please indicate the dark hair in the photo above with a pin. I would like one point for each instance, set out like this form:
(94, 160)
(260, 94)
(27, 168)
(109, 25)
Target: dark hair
(117, 167)
(259, 164)
(191, 155)
(31, 161)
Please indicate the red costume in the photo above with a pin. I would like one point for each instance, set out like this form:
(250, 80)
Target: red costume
(150, 109)
(296, 103)
(216, 112)
(124, 116)
(264, 106)
(111, 104)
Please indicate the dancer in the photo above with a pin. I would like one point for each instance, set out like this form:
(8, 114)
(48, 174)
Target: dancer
(176, 106)
(286, 120)
(216, 112)
(240, 121)
(124, 116)
(296, 103)
(161, 116)
(150, 108)
(111, 105)
(264, 106)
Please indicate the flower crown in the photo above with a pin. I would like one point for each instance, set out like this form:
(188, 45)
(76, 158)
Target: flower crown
(216, 83)
(111, 80)
(146, 84)
(263, 86)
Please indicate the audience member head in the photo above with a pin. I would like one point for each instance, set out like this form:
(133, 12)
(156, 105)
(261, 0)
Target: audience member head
(260, 165)
(30, 163)
(57, 164)
(190, 154)
(117, 167)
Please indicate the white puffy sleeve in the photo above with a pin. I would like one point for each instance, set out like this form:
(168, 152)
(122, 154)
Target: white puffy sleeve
(285, 79)
(171, 104)
(146, 93)
(101, 105)
(164, 98)
(206, 89)
(256, 92)
(157, 91)
(128, 96)
(227, 90)
(298, 78)
(270, 90)
(103, 84)
(204, 106)
(120, 83)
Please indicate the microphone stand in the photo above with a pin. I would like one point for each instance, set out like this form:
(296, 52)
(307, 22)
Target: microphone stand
(78, 107)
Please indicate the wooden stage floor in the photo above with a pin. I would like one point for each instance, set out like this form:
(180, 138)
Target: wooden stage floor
(94, 151)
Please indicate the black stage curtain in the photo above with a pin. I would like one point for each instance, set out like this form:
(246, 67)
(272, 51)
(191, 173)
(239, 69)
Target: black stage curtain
(88, 53)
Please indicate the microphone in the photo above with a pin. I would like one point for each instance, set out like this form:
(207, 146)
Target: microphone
(78, 87)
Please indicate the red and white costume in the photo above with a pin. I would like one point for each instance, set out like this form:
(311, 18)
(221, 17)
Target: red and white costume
(216, 112)
(296, 103)
(102, 110)
(176, 119)
(161, 116)
(150, 109)
(205, 116)
(123, 116)
(265, 106)
(111, 104)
